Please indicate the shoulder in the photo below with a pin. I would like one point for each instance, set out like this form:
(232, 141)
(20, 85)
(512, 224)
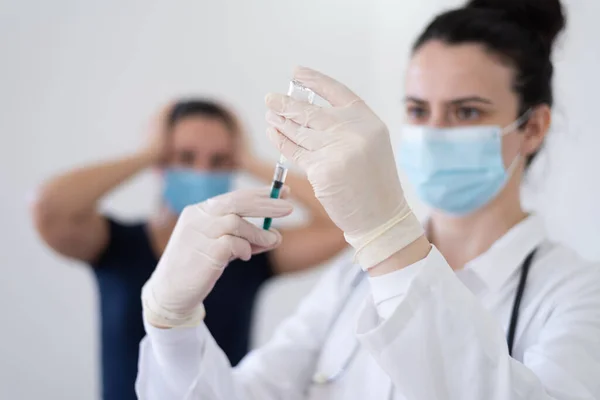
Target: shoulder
(564, 261)
(118, 225)
(566, 273)
(128, 240)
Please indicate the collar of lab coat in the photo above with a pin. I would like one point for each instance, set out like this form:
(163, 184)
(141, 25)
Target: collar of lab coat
(494, 267)
(504, 258)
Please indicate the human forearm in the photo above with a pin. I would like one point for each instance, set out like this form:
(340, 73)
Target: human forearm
(436, 317)
(77, 192)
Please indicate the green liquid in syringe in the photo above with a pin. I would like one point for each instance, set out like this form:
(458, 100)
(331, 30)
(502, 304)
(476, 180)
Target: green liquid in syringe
(275, 191)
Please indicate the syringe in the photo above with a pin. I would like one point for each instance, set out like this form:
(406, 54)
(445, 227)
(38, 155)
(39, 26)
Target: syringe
(298, 92)
(278, 181)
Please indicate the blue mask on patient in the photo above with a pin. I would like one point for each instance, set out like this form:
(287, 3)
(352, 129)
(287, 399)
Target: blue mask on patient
(455, 170)
(183, 187)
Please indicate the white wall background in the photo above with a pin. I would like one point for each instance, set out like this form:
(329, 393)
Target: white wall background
(79, 79)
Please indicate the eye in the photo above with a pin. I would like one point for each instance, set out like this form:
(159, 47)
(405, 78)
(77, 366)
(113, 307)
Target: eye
(467, 114)
(221, 161)
(415, 112)
(187, 158)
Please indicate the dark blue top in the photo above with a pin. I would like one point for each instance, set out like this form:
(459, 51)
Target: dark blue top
(122, 270)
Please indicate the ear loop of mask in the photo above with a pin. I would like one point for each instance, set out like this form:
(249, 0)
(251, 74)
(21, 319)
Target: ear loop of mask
(510, 129)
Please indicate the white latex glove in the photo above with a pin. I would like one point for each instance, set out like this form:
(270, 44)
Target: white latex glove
(346, 153)
(207, 237)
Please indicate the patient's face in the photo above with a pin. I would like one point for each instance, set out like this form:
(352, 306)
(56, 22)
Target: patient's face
(202, 143)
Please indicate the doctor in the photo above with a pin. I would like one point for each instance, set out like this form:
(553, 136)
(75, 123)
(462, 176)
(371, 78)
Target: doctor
(483, 307)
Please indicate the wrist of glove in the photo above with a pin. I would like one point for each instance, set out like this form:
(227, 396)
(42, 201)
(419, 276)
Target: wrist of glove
(386, 239)
(347, 155)
(206, 238)
(160, 317)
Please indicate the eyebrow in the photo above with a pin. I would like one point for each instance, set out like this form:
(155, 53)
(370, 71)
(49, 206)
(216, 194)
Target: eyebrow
(470, 99)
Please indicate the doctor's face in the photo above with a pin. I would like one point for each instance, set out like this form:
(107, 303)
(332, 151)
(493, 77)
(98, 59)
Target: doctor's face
(462, 85)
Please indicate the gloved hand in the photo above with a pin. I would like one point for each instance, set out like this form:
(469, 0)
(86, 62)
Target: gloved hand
(346, 153)
(207, 237)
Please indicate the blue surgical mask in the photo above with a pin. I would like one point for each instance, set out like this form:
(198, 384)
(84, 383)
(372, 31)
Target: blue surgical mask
(183, 187)
(455, 170)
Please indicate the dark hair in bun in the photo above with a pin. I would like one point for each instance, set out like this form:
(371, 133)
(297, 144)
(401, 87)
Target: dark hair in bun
(521, 32)
(545, 17)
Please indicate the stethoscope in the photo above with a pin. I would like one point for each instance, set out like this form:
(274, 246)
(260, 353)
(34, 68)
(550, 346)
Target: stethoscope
(325, 379)
(320, 378)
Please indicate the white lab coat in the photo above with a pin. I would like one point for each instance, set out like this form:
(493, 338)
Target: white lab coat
(424, 332)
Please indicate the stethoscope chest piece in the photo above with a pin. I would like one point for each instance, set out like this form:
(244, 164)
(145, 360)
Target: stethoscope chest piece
(320, 379)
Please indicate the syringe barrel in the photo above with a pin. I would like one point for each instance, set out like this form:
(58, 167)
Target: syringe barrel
(299, 92)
